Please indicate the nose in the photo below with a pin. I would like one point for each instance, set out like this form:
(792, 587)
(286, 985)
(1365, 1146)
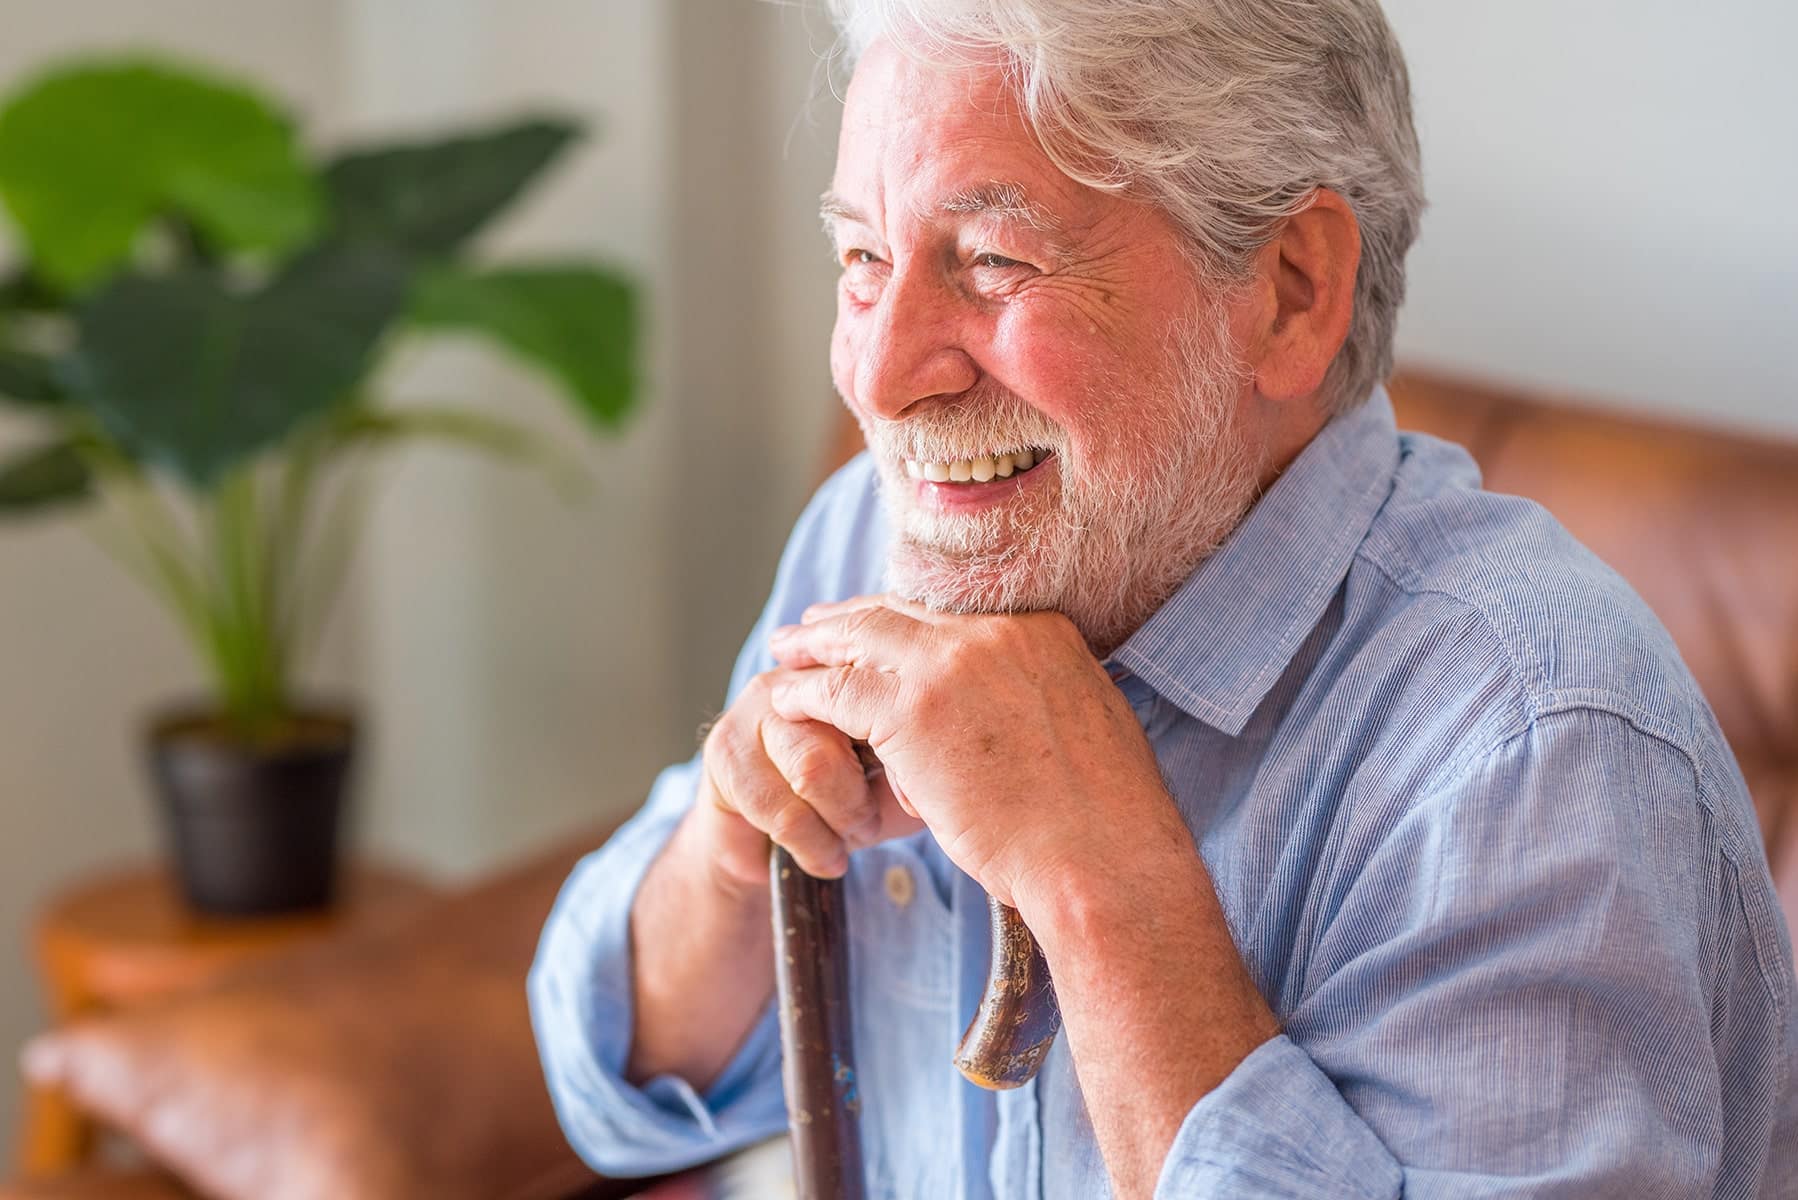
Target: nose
(911, 347)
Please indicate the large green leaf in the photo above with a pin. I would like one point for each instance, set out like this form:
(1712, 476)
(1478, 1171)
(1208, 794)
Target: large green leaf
(90, 153)
(430, 197)
(196, 378)
(28, 379)
(41, 477)
(578, 324)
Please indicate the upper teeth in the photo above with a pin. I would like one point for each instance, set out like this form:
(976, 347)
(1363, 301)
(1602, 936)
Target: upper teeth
(977, 470)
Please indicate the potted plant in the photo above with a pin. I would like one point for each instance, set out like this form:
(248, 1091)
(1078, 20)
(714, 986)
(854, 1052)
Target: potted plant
(198, 312)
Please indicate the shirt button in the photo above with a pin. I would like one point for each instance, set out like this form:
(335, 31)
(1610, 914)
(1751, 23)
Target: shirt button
(900, 888)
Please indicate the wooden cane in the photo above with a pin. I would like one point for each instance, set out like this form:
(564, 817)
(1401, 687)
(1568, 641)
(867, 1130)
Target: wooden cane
(1018, 1017)
(1004, 1045)
(811, 973)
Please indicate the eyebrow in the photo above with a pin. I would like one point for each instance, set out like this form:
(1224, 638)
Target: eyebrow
(832, 207)
(1005, 200)
(1002, 199)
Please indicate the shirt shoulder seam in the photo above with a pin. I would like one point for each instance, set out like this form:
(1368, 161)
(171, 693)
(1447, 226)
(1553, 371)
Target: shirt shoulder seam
(1531, 684)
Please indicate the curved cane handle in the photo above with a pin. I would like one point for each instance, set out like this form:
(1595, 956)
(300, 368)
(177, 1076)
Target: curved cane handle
(1018, 1017)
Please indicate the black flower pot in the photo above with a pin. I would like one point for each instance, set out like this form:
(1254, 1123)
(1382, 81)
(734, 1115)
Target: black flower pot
(253, 826)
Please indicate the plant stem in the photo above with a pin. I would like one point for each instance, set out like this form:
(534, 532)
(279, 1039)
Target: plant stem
(163, 562)
(251, 654)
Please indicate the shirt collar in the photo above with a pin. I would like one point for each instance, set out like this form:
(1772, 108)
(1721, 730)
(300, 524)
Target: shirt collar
(1217, 647)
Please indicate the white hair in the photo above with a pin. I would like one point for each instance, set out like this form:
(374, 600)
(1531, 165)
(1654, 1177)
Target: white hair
(1229, 114)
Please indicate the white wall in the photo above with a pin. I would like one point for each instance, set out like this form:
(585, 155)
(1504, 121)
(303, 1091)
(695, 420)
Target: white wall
(754, 299)
(516, 648)
(1611, 184)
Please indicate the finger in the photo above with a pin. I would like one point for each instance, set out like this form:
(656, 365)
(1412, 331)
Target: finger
(858, 701)
(898, 817)
(874, 636)
(821, 768)
(745, 781)
(892, 600)
(831, 608)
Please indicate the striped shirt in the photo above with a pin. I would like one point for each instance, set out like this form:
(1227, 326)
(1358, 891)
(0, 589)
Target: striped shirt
(1475, 831)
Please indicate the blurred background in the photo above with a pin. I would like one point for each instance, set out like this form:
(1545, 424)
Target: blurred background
(1609, 188)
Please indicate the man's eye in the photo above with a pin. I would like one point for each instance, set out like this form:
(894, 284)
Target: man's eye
(860, 258)
(996, 261)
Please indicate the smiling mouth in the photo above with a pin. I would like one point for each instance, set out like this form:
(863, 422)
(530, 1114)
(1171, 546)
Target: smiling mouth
(978, 470)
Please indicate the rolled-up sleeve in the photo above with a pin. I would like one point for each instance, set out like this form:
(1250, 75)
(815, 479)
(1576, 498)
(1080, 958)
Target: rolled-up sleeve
(580, 993)
(580, 990)
(1541, 982)
(1278, 1127)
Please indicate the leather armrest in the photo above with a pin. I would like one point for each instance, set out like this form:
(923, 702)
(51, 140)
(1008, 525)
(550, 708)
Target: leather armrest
(394, 1063)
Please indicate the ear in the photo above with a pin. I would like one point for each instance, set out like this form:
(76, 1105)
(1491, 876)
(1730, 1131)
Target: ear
(1306, 285)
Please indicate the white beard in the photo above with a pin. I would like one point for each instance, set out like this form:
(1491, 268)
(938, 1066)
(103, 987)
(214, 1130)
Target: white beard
(1109, 539)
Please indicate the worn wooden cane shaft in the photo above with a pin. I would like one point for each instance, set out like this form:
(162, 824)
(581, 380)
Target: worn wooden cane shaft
(1018, 1017)
(811, 972)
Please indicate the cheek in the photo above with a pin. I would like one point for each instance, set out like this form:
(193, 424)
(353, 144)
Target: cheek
(1069, 374)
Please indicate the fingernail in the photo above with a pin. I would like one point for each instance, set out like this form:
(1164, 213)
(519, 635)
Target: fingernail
(783, 632)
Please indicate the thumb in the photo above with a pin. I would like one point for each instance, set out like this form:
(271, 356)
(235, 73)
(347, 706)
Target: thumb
(897, 817)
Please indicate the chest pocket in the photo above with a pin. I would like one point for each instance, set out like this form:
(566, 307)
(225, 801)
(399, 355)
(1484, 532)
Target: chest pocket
(901, 962)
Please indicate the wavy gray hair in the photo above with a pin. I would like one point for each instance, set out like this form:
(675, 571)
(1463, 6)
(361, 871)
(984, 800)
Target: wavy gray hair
(1229, 114)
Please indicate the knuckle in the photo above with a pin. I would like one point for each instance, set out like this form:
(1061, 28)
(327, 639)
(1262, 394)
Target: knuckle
(860, 622)
(860, 816)
(1015, 633)
(756, 698)
(790, 822)
(723, 742)
(838, 682)
(980, 641)
(814, 771)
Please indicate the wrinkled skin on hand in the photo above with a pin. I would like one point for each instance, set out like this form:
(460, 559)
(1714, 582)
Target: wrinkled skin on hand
(1002, 733)
(799, 782)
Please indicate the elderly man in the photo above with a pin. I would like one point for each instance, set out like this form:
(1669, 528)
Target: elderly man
(1376, 838)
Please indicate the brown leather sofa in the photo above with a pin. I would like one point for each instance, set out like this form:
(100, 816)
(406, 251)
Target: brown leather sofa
(401, 1064)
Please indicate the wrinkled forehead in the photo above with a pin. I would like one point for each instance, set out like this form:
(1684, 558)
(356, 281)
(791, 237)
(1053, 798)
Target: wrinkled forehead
(917, 135)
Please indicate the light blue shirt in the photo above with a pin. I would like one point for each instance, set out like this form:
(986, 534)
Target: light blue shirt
(1475, 831)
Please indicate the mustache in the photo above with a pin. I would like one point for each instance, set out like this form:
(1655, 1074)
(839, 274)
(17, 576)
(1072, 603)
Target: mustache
(985, 420)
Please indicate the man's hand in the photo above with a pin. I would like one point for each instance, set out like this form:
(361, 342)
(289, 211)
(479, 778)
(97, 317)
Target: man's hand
(701, 914)
(798, 782)
(1003, 733)
(1010, 741)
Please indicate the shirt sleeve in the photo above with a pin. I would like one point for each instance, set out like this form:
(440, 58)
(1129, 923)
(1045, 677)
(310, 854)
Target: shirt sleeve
(580, 993)
(580, 982)
(1542, 981)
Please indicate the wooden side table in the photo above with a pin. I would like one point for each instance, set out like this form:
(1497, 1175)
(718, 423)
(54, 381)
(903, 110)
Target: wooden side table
(126, 937)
